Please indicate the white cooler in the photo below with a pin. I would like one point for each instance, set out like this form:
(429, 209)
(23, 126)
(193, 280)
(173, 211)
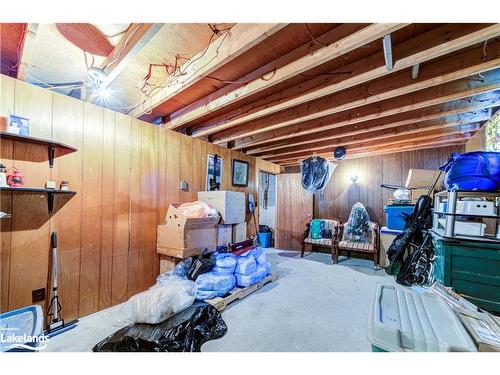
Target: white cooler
(401, 320)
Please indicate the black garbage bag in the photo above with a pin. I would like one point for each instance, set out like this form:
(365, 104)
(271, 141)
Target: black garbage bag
(186, 331)
(202, 264)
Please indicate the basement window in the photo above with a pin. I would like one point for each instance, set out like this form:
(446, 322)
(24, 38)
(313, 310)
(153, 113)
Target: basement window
(493, 133)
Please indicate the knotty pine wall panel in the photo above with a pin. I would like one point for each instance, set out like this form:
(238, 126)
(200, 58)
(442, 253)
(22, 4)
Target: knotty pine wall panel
(341, 194)
(126, 172)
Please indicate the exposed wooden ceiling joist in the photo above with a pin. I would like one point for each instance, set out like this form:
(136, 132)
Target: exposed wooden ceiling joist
(399, 147)
(239, 39)
(425, 98)
(461, 121)
(402, 134)
(26, 50)
(130, 44)
(436, 43)
(433, 74)
(357, 39)
(411, 120)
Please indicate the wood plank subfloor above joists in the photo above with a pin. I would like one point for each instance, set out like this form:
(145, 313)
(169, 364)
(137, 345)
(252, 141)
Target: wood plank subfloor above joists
(436, 43)
(433, 74)
(347, 44)
(238, 40)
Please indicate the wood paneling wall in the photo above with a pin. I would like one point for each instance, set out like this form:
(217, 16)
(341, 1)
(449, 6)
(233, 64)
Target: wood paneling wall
(126, 172)
(340, 193)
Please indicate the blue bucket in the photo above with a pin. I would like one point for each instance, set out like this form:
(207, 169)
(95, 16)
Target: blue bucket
(265, 239)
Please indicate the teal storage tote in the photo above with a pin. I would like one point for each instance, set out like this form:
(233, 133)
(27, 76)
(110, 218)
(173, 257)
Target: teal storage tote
(470, 267)
(395, 215)
(265, 239)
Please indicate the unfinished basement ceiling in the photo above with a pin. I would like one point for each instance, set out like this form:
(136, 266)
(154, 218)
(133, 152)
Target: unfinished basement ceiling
(284, 92)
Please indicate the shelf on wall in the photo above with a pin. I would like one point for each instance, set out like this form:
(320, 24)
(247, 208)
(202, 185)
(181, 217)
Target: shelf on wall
(52, 146)
(49, 192)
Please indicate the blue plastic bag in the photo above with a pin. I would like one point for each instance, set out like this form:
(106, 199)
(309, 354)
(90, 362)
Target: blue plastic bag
(215, 281)
(224, 263)
(479, 170)
(246, 264)
(255, 277)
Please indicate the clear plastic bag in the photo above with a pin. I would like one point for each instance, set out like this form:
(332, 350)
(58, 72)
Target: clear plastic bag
(170, 296)
(246, 264)
(215, 281)
(357, 228)
(255, 277)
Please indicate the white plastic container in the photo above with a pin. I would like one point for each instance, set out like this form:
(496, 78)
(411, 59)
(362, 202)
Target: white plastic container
(466, 228)
(475, 207)
(401, 320)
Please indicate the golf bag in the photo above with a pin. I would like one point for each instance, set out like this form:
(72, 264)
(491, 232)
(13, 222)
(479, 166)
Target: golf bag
(411, 252)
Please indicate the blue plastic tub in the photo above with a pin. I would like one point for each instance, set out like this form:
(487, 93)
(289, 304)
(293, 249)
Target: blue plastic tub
(394, 216)
(265, 239)
(24, 322)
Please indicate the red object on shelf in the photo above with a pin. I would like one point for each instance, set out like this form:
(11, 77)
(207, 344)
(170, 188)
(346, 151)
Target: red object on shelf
(15, 178)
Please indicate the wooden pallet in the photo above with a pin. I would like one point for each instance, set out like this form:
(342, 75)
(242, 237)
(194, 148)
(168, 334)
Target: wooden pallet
(220, 303)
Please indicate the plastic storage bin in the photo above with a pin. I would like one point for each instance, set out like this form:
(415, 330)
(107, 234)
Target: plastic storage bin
(24, 321)
(394, 215)
(265, 239)
(401, 320)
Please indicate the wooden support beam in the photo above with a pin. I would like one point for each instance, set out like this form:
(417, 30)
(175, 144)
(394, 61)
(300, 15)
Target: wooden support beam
(26, 50)
(411, 120)
(389, 139)
(363, 154)
(421, 99)
(381, 149)
(435, 73)
(131, 43)
(406, 130)
(349, 43)
(226, 48)
(428, 46)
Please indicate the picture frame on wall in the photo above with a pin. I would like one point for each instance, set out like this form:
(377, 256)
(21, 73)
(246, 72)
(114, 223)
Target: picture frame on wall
(240, 173)
(210, 172)
(18, 125)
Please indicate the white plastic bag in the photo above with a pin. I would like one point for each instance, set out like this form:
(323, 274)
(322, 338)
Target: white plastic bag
(160, 302)
(246, 264)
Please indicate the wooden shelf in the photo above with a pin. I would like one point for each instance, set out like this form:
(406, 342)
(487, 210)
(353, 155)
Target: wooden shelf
(52, 146)
(49, 192)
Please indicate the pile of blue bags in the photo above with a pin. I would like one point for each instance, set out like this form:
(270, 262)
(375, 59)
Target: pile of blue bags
(230, 270)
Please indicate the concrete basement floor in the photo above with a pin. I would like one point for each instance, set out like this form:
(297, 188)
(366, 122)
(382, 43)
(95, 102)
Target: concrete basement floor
(313, 306)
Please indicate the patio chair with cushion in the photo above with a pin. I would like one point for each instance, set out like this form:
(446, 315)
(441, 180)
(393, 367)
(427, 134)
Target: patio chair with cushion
(328, 235)
(370, 246)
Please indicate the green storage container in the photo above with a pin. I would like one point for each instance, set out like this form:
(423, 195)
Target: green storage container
(470, 267)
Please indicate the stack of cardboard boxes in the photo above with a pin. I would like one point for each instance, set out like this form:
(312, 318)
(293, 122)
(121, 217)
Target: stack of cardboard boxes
(231, 207)
(182, 236)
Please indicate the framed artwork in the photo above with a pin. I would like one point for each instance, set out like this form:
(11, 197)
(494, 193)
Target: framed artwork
(240, 173)
(211, 168)
(18, 125)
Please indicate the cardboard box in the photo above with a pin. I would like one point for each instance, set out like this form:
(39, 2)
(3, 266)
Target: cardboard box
(240, 232)
(484, 329)
(185, 233)
(224, 234)
(229, 204)
(416, 193)
(184, 253)
(423, 178)
(175, 217)
(174, 237)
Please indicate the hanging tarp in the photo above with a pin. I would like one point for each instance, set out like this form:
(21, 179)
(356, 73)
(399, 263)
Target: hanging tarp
(315, 173)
